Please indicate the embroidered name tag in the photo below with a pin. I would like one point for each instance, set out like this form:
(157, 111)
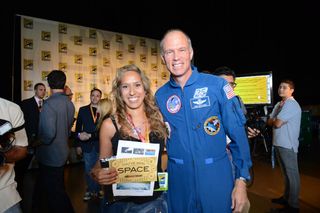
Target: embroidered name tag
(197, 103)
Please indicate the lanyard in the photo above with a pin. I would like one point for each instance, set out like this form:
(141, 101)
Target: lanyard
(137, 131)
(94, 115)
(279, 108)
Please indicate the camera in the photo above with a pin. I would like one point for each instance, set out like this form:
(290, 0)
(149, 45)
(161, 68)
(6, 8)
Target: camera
(6, 139)
(257, 120)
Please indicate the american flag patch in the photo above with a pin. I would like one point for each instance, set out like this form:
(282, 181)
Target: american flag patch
(229, 91)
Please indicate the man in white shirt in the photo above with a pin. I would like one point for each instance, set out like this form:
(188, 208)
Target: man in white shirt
(10, 198)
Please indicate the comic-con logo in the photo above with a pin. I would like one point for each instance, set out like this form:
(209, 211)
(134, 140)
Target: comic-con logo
(212, 125)
(173, 104)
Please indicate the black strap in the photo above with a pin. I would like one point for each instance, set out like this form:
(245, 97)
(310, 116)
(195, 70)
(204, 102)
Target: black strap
(2, 122)
(114, 123)
(17, 128)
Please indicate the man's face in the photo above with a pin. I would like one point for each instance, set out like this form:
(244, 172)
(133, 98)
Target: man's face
(40, 91)
(177, 54)
(284, 90)
(95, 97)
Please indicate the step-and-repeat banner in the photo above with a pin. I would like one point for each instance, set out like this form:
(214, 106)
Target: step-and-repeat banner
(89, 57)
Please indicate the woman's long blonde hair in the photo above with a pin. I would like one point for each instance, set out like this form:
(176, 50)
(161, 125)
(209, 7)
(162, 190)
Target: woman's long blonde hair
(105, 110)
(152, 111)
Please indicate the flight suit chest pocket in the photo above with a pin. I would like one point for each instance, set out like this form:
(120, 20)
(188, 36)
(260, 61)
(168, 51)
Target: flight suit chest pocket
(200, 115)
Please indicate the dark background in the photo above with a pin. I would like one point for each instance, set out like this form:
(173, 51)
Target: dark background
(249, 37)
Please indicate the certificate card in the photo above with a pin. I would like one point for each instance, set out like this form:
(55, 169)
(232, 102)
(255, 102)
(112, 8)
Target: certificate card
(131, 149)
(136, 169)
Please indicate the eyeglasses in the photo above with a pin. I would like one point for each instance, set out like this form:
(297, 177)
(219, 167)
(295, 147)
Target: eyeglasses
(233, 84)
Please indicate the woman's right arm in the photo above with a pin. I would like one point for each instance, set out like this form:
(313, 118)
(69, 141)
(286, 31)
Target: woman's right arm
(105, 176)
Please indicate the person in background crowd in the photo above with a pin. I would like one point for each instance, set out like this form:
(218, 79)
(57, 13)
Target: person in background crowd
(285, 119)
(11, 112)
(230, 76)
(55, 123)
(31, 108)
(200, 110)
(89, 141)
(68, 92)
(137, 118)
(75, 151)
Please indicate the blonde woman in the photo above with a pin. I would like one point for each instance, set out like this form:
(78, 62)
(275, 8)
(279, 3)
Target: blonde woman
(104, 109)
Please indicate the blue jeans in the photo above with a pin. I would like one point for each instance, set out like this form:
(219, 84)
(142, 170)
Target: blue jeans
(90, 159)
(158, 205)
(289, 166)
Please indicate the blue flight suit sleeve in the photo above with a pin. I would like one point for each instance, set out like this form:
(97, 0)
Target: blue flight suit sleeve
(234, 123)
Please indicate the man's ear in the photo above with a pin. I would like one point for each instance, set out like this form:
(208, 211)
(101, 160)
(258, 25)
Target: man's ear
(191, 54)
(162, 58)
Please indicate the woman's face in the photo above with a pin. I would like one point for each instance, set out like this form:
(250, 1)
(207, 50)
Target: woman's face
(132, 90)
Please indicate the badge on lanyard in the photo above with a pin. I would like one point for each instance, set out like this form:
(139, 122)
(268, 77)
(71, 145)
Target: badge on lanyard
(163, 181)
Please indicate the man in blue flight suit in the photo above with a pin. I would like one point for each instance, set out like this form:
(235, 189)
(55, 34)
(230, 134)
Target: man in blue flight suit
(200, 109)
